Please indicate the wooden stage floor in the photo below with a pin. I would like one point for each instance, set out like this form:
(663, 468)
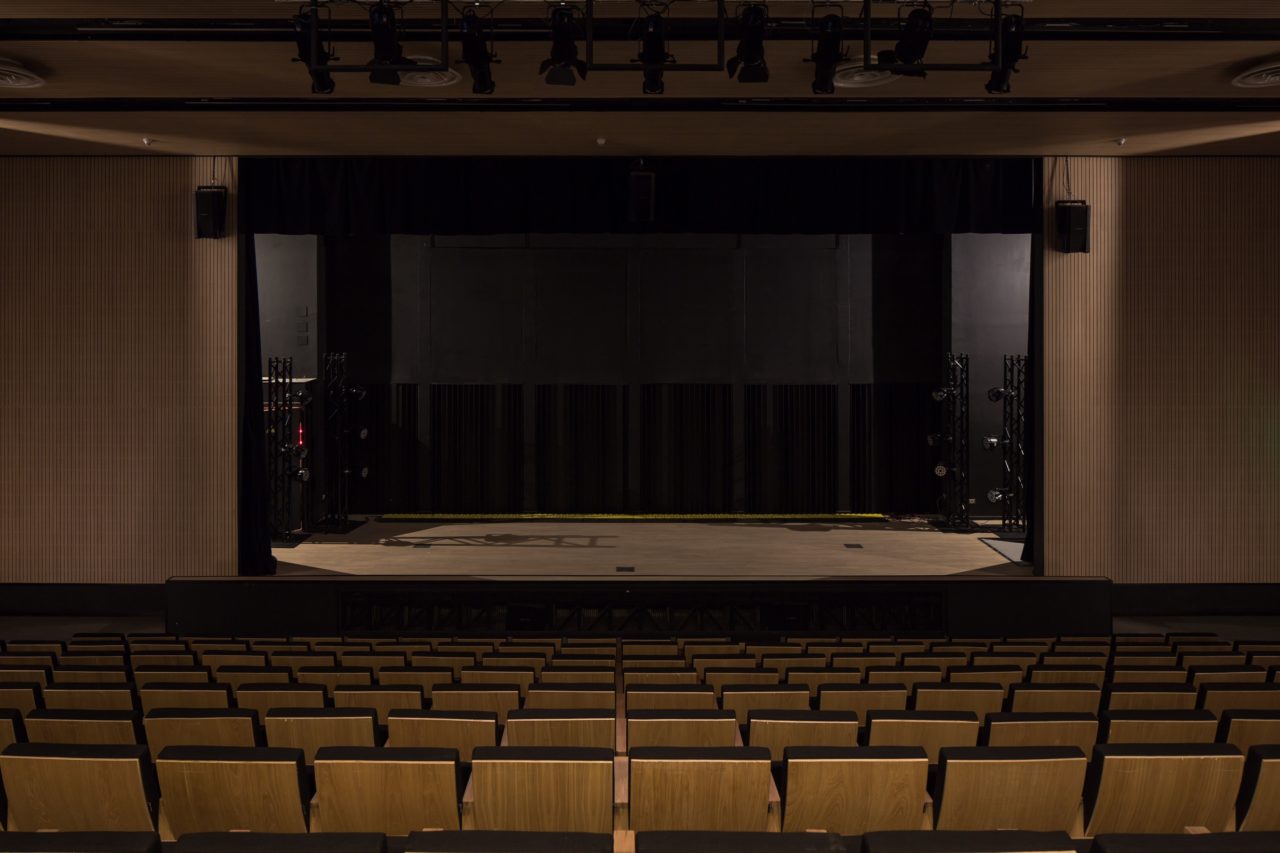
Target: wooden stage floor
(529, 550)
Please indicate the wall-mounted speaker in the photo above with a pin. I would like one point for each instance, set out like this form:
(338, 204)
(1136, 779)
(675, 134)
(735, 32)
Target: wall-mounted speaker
(1072, 221)
(642, 197)
(211, 212)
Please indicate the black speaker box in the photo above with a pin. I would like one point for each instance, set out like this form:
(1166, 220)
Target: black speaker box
(1072, 221)
(642, 197)
(211, 212)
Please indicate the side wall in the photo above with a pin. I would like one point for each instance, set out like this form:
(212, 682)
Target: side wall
(118, 386)
(1162, 373)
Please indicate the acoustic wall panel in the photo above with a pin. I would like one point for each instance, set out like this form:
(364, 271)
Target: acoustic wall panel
(118, 397)
(1162, 393)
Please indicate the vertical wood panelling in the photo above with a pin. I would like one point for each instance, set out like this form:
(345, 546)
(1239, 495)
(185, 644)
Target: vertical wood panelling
(117, 373)
(1162, 373)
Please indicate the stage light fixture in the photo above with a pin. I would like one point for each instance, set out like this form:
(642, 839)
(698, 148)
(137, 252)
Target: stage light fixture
(828, 53)
(302, 475)
(941, 470)
(995, 395)
(748, 64)
(653, 53)
(559, 69)
(386, 44)
(306, 32)
(996, 496)
(476, 52)
(940, 394)
(991, 442)
(913, 43)
(1011, 35)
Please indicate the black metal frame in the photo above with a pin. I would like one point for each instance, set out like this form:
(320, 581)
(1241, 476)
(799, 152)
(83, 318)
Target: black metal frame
(336, 476)
(442, 65)
(718, 65)
(954, 500)
(997, 17)
(279, 408)
(1013, 508)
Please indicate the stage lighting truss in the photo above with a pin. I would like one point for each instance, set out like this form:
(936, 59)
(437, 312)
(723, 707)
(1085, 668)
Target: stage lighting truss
(953, 469)
(1013, 405)
(318, 56)
(280, 409)
(654, 57)
(915, 24)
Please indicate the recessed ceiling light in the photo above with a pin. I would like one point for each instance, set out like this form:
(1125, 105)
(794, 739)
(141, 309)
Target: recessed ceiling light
(853, 76)
(13, 75)
(1260, 77)
(429, 79)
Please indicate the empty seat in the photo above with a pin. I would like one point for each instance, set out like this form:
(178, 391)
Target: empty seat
(79, 788)
(1245, 729)
(575, 675)
(389, 790)
(11, 728)
(1238, 674)
(815, 677)
(1225, 696)
(778, 730)
(79, 842)
(742, 699)
(1029, 788)
(271, 842)
(266, 697)
(89, 697)
(1032, 729)
(977, 697)
(495, 698)
(1153, 696)
(1258, 806)
(334, 676)
(659, 675)
(495, 841)
(223, 788)
(930, 730)
(570, 695)
(703, 789)
(183, 695)
(1125, 673)
(463, 731)
(145, 676)
(238, 675)
(854, 790)
(90, 674)
(713, 728)
(200, 727)
(862, 699)
(557, 789)
(1159, 788)
(87, 727)
(906, 675)
(308, 729)
(671, 697)
(24, 697)
(570, 727)
(718, 678)
(382, 698)
(1055, 698)
(1058, 673)
(425, 677)
(953, 841)
(1158, 727)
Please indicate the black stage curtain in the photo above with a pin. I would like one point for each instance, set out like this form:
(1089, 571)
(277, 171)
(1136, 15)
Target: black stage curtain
(255, 531)
(731, 195)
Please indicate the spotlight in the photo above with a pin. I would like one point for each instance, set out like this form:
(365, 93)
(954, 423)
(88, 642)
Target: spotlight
(995, 395)
(996, 496)
(1011, 35)
(914, 41)
(653, 53)
(940, 394)
(302, 475)
(476, 52)
(305, 27)
(940, 470)
(828, 53)
(991, 442)
(750, 57)
(560, 67)
(386, 45)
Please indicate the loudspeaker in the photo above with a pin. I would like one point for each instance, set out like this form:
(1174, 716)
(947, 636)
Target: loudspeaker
(1072, 220)
(642, 197)
(211, 212)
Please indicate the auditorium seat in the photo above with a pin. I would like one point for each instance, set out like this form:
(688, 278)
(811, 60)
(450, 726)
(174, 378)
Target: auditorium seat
(1258, 806)
(671, 697)
(956, 841)
(742, 699)
(1147, 674)
(978, 697)
(89, 674)
(1055, 698)
(658, 675)
(1002, 675)
(862, 699)
(11, 728)
(1037, 729)
(513, 661)
(784, 663)
(79, 842)
(1161, 788)
(1245, 729)
(815, 677)
(493, 841)
(605, 675)
(383, 698)
(424, 677)
(741, 842)
(89, 697)
(23, 696)
(1224, 842)
(149, 674)
(296, 661)
(682, 728)
(79, 788)
(24, 674)
(200, 727)
(375, 661)
(499, 698)
(462, 731)
(702, 663)
(700, 789)
(308, 729)
(224, 788)
(1226, 696)
(334, 676)
(1057, 673)
(541, 789)
(1150, 697)
(389, 790)
(183, 695)
(85, 727)
(905, 675)
(930, 730)
(1238, 674)
(236, 676)
(1011, 787)
(853, 790)
(270, 842)
(1157, 727)
(778, 730)
(545, 727)
(718, 677)
(265, 697)
(572, 696)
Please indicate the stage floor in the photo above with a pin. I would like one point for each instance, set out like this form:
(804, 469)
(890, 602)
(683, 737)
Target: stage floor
(531, 550)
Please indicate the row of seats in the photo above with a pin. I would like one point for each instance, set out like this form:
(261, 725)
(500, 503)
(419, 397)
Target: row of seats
(1126, 788)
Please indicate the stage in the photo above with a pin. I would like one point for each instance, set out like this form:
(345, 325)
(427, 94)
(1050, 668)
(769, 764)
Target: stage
(642, 550)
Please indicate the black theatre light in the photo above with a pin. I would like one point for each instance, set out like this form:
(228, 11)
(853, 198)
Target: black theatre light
(940, 394)
(559, 68)
(306, 28)
(991, 442)
(995, 395)
(1011, 37)
(941, 470)
(996, 496)
(302, 475)
(653, 53)
(828, 53)
(386, 44)
(914, 41)
(748, 64)
(476, 52)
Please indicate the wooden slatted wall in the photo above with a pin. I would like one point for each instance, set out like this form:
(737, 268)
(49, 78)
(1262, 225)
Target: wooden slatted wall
(117, 373)
(1162, 358)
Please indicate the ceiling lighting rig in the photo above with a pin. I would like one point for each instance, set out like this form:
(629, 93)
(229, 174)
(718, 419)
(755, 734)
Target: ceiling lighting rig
(563, 67)
(654, 57)
(388, 61)
(915, 28)
(827, 51)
